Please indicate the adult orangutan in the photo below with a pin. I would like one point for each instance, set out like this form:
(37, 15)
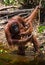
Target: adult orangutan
(19, 31)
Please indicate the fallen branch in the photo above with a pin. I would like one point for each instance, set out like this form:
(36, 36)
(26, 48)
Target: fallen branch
(7, 7)
(3, 13)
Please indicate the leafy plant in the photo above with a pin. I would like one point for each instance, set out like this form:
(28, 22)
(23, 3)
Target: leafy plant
(8, 2)
(41, 28)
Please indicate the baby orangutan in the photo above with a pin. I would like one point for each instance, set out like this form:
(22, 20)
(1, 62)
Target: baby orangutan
(19, 31)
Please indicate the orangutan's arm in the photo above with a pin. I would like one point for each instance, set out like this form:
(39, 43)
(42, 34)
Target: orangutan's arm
(29, 30)
(22, 40)
(33, 15)
(8, 36)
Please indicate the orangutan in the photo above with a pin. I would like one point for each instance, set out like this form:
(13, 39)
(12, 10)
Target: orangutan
(19, 31)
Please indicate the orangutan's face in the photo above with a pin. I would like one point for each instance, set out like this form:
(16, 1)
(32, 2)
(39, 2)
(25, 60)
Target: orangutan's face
(15, 28)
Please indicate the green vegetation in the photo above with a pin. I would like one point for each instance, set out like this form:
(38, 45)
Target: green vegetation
(22, 2)
(3, 51)
(9, 2)
(41, 29)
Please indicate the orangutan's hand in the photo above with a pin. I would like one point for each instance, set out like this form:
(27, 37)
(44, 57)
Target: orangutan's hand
(38, 7)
